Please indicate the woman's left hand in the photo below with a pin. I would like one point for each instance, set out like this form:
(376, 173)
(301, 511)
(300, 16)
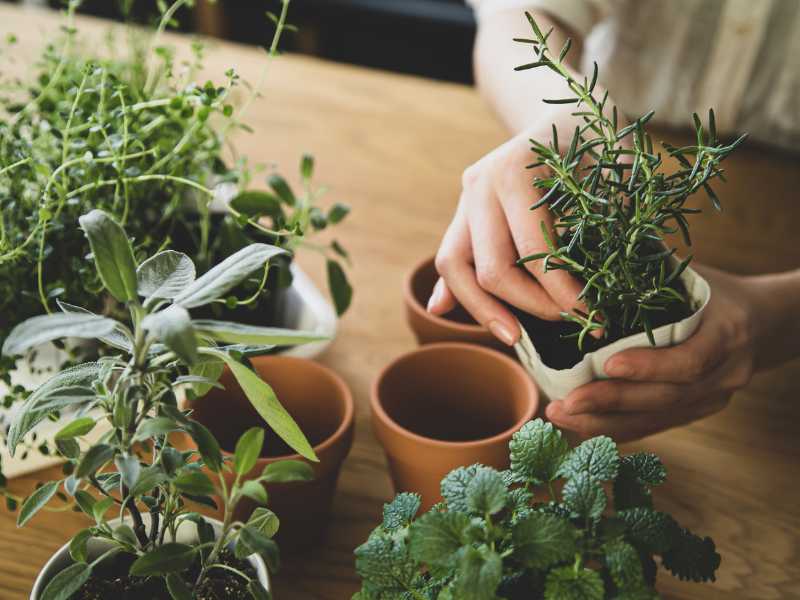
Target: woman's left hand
(656, 389)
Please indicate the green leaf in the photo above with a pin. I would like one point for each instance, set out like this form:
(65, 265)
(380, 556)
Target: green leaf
(177, 588)
(565, 583)
(220, 279)
(75, 428)
(125, 535)
(47, 328)
(307, 166)
(337, 213)
(255, 491)
(287, 471)
(649, 529)
(194, 482)
(647, 468)
(340, 288)
(597, 457)
(113, 254)
(85, 502)
(256, 203)
(129, 469)
(542, 540)
(171, 557)
(100, 508)
(264, 520)
(153, 427)
(584, 496)
(266, 403)
(400, 511)
(36, 501)
(486, 493)
(479, 574)
(207, 445)
(119, 338)
(386, 568)
(238, 333)
(281, 188)
(436, 537)
(94, 458)
(173, 327)
(209, 369)
(537, 451)
(261, 544)
(77, 545)
(623, 564)
(67, 582)
(692, 558)
(149, 478)
(454, 487)
(257, 590)
(165, 275)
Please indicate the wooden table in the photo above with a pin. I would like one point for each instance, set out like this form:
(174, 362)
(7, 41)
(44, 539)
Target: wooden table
(394, 148)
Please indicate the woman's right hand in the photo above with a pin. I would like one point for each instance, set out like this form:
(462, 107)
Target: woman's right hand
(492, 228)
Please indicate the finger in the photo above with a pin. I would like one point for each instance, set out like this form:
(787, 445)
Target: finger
(686, 362)
(442, 300)
(624, 427)
(454, 264)
(623, 396)
(495, 261)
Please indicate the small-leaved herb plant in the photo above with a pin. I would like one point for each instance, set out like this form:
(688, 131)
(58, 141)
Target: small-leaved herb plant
(614, 202)
(496, 536)
(129, 130)
(126, 402)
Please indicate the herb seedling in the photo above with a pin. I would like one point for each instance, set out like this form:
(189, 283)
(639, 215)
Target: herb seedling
(614, 204)
(129, 395)
(492, 537)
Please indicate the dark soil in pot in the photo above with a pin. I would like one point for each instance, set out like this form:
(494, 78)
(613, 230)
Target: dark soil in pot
(110, 580)
(558, 351)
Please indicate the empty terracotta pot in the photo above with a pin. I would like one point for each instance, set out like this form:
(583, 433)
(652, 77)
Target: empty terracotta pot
(455, 326)
(321, 403)
(448, 405)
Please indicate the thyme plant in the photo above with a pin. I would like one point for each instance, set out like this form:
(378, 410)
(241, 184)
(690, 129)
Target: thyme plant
(494, 536)
(127, 400)
(614, 203)
(130, 131)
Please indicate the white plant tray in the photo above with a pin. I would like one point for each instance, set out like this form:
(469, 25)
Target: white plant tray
(304, 308)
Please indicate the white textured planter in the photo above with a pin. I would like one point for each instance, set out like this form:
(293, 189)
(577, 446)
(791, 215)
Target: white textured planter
(558, 383)
(187, 534)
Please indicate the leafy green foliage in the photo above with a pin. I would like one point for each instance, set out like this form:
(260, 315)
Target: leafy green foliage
(490, 539)
(614, 202)
(133, 388)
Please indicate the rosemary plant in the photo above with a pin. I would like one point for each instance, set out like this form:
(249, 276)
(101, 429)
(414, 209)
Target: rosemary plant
(614, 203)
(127, 401)
(493, 538)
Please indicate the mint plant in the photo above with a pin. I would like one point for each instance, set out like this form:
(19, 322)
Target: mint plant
(128, 397)
(593, 534)
(614, 202)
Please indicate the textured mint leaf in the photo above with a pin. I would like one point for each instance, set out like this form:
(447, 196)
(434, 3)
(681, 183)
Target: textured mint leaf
(542, 540)
(647, 468)
(629, 492)
(565, 583)
(597, 457)
(399, 512)
(623, 564)
(649, 529)
(454, 487)
(479, 574)
(386, 568)
(584, 496)
(519, 500)
(537, 451)
(486, 493)
(436, 537)
(692, 558)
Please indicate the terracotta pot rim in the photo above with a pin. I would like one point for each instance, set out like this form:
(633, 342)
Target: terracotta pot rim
(380, 413)
(349, 408)
(422, 312)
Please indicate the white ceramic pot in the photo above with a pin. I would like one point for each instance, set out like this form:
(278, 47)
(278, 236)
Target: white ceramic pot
(187, 534)
(555, 384)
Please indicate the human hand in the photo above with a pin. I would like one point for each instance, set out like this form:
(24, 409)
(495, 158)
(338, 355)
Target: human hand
(658, 388)
(493, 227)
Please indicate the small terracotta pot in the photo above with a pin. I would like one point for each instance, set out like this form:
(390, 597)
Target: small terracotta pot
(455, 326)
(321, 403)
(448, 405)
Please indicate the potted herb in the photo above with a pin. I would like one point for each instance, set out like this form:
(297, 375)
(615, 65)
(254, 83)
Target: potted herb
(613, 204)
(129, 131)
(494, 536)
(130, 396)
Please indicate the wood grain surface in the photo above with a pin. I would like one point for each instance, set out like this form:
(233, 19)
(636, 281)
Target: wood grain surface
(394, 148)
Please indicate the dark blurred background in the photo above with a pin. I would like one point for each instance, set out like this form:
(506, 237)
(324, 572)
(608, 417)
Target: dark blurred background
(431, 38)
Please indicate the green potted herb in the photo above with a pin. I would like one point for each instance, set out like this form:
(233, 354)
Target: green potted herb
(511, 534)
(613, 205)
(139, 480)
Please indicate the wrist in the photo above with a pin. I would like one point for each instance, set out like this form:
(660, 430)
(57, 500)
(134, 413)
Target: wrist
(775, 299)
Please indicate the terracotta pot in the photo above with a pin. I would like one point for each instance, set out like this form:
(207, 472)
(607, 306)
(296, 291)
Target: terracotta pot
(186, 533)
(448, 405)
(321, 403)
(456, 326)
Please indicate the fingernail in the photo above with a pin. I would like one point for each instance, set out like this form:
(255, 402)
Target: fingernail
(436, 296)
(502, 332)
(615, 368)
